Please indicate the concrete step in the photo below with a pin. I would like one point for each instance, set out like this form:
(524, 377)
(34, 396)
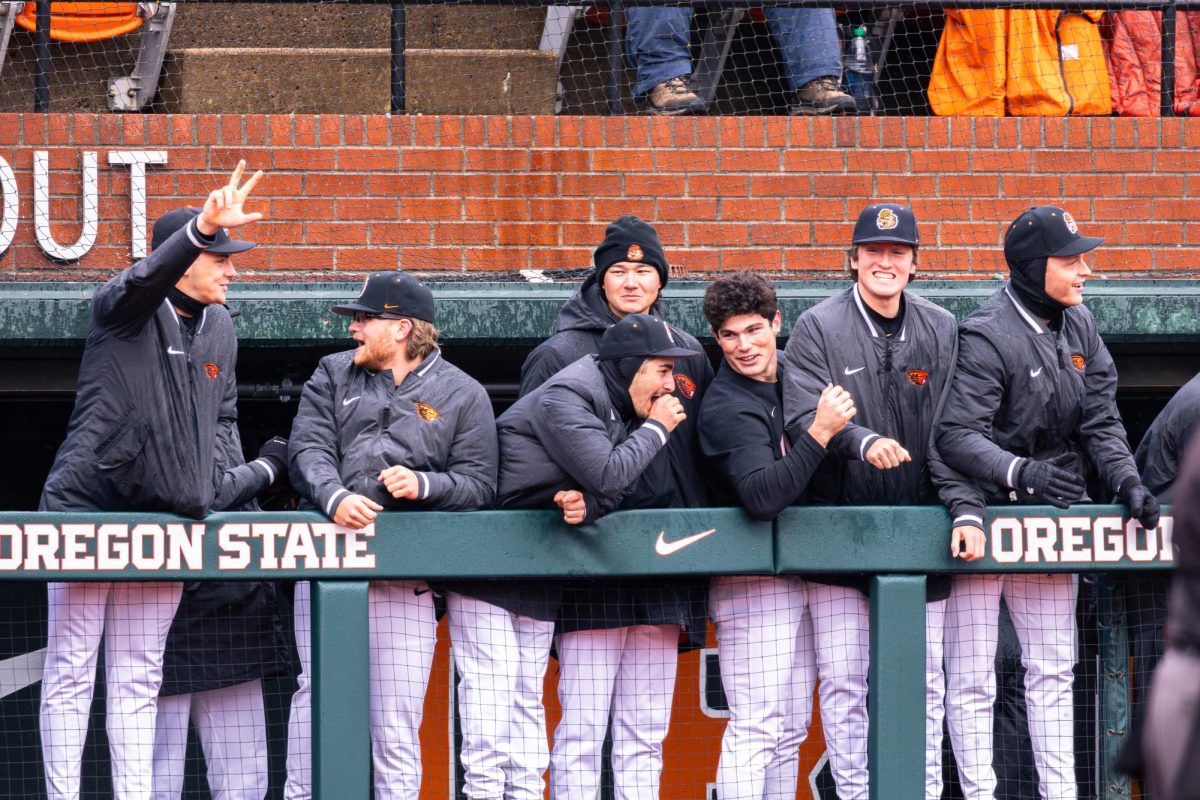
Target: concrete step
(481, 81)
(269, 80)
(453, 27)
(281, 25)
(466, 27)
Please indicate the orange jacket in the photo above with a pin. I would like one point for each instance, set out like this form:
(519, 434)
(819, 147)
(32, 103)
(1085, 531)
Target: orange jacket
(992, 62)
(1133, 46)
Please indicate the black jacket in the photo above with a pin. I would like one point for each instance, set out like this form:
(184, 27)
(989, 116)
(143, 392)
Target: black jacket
(152, 403)
(897, 383)
(1162, 448)
(1023, 391)
(564, 435)
(672, 479)
(742, 438)
(1183, 621)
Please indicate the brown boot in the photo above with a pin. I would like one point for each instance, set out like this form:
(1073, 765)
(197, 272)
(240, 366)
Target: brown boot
(674, 97)
(823, 96)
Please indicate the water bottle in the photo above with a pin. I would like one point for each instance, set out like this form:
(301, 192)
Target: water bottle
(860, 72)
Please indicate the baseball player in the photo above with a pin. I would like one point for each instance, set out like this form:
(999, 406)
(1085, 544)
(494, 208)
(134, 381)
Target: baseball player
(1173, 713)
(226, 637)
(1032, 404)
(605, 623)
(581, 441)
(1158, 457)
(156, 394)
(894, 353)
(388, 425)
(765, 636)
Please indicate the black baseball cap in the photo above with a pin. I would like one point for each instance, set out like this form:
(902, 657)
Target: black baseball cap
(172, 221)
(886, 222)
(641, 335)
(1045, 231)
(391, 294)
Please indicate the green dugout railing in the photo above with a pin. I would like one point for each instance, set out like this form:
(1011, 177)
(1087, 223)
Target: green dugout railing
(896, 546)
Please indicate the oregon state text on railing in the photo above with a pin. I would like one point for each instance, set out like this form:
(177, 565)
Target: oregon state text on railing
(896, 546)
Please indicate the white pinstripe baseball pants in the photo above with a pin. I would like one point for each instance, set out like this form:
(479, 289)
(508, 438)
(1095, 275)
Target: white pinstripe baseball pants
(402, 635)
(1043, 613)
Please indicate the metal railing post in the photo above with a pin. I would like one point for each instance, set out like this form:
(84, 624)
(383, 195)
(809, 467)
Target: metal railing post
(896, 747)
(399, 44)
(341, 734)
(41, 49)
(1167, 101)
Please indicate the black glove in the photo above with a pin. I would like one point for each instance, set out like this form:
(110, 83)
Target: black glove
(275, 453)
(1143, 506)
(1048, 481)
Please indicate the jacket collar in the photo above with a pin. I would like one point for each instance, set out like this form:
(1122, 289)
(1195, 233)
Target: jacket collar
(875, 332)
(1033, 322)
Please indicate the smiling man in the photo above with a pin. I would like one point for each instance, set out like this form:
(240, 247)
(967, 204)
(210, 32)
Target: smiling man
(894, 352)
(764, 629)
(1031, 413)
(156, 403)
(388, 425)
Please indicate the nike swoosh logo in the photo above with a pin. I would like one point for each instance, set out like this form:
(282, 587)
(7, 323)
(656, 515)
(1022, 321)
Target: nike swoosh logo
(849, 371)
(385, 305)
(350, 400)
(1033, 373)
(665, 548)
(171, 351)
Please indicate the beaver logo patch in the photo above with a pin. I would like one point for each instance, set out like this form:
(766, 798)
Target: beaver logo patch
(427, 413)
(917, 377)
(634, 253)
(685, 385)
(212, 370)
(1078, 361)
(886, 219)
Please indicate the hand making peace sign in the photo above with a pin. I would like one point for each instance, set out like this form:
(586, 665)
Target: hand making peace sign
(223, 208)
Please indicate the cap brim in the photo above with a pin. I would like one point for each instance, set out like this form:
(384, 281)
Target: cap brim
(673, 352)
(892, 239)
(1081, 245)
(350, 309)
(231, 247)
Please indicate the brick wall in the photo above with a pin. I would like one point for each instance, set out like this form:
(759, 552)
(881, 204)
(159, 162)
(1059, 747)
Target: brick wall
(351, 193)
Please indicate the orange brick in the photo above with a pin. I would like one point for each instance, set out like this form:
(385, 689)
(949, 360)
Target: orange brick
(496, 259)
(450, 131)
(841, 185)
(905, 186)
(329, 131)
(526, 185)
(352, 130)
(464, 233)
(615, 134)
(797, 160)
(751, 210)
(801, 209)
(475, 185)
(611, 208)
(641, 185)
(759, 259)
(496, 131)
(415, 208)
(299, 209)
(559, 209)
(368, 208)
(367, 259)
(424, 159)
(686, 209)
(378, 130)
(1064, 161)
(1158, 186)
(400, 185)
(984, 209)
(433, 258)
(787, 234)
(331, 184)
(698, 160)
(780, 185)
(526, 233)
(718, 186)
(559, 160)
(586, 234)
(1125, 208)
(426, 130)
(695, 260)
(1155, 233)
(305, 158)
(335, 233)
(729, 131)
(1002, 161)
(717, 233)
(978, 234)
(368, 159)
(497, 159)
(483, 208)
(401, 233)
(622, 160)
(1031, 186)
(1124, 161)
(589, 185)
(297, 258)
(749, 160)
(559, 257)
(1174, 161)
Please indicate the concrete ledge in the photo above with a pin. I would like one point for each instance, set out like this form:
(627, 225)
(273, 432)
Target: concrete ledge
(480, 81)
(277, 80)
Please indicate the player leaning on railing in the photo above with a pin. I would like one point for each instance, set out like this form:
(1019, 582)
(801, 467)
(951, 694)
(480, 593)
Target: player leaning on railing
(156, 393)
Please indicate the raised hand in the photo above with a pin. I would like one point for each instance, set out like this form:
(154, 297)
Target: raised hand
(224, 206)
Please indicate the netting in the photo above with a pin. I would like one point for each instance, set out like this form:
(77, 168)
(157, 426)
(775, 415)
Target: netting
(197, 57)
(609, 698)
